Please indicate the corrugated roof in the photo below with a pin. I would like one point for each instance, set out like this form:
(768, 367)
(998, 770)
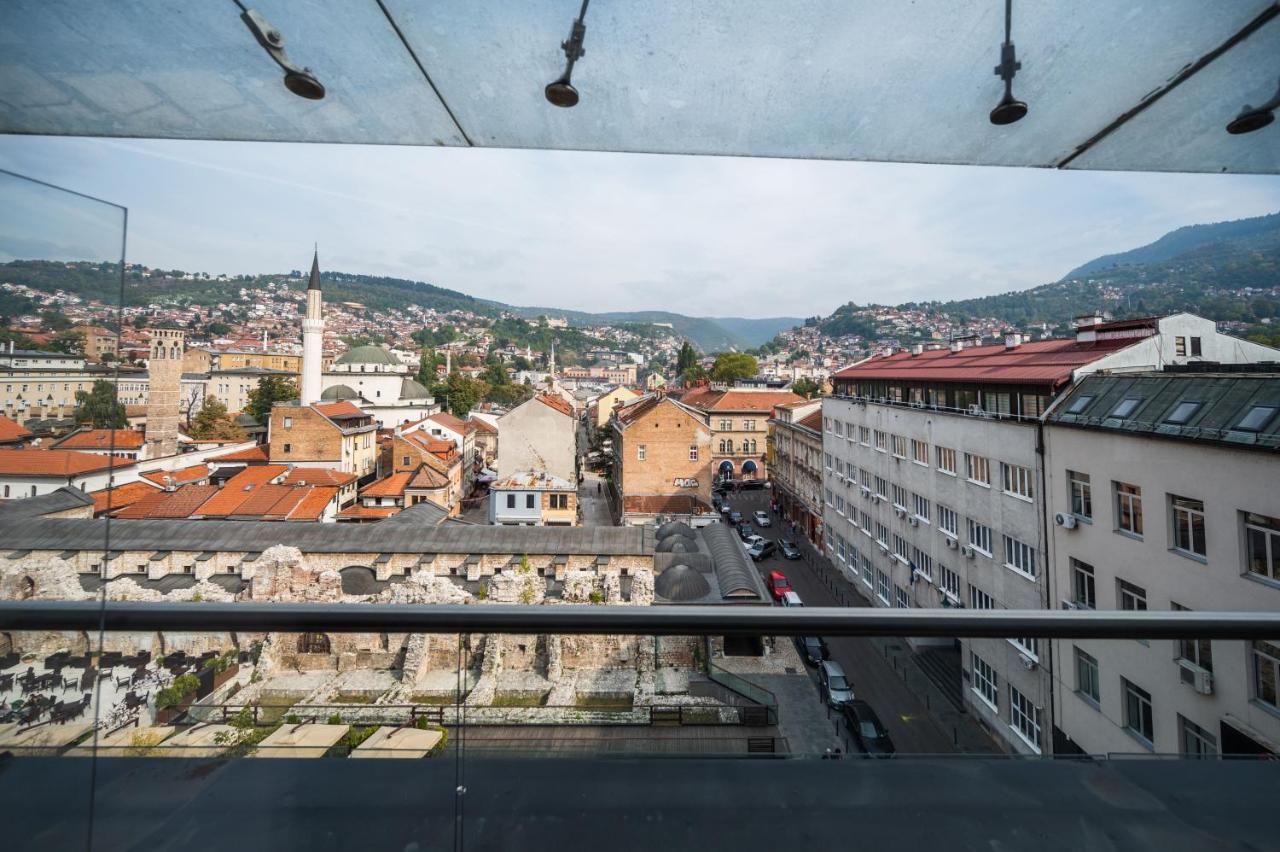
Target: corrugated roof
(64, 498)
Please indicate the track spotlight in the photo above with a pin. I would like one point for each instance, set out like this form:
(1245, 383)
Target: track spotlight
(1010, 109)
(1255, 118)
(298, 80)
(561, 92)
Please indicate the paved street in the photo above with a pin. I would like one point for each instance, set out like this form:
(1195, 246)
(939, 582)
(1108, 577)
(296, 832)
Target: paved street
(594, 501)
(919, 719)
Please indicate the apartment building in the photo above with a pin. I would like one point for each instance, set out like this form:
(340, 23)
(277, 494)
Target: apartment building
(796, 465)
(533, 500)
(1163, 494)
(933, 486)
(739, 422)
(333, 435)
(539, 435)
(100, 344)
(662, 460)
(600, 409)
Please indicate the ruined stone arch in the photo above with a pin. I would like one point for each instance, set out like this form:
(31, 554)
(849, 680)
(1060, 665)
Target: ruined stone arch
(313, 643)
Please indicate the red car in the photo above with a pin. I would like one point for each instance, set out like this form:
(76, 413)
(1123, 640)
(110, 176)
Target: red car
(778, 585)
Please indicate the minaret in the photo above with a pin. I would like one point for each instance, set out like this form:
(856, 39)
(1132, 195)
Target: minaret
(312, 337)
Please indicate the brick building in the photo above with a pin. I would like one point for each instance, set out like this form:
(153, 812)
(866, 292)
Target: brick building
(739, 422)
(333, 435)
(662, 460)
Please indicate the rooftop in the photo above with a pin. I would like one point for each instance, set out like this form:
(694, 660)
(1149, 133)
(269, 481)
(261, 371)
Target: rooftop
(58, 464)
(763, 401)
(102, 439)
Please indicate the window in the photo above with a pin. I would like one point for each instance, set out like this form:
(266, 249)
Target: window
(840, 504)
(901, 601)
(1087, 681)
(984, 681)
(141, 569)
(1082, 588)
(1188, 525)
(979, 599)
(560, 501)
(1198, 652)
(977, 469)
(726, 425)
(1019, 556)
(1180, 347)
(1195, 347)
(880, 440)
(947, 520)
(528, 501)
(922, 562)
(1081, 492)
(288, 448)
(866, 571)
(1262, 546)
(640, 452)
(826, 458)
(864, 435)
(882, 586)
(830, 500)
(1126, 407)
(899, 447)
(921, 506)
(511, 501)
(1028, 645)
(882, 534)
(1137, 712)
(1257, 418)
(866, 522)
(837, 426)
(849, 431)
(900, 548)
(1017, 480)
(693, 453)
(1196, 742)
(899, 497)
(946, 460)
(980, 537)
(1025, 717)
(1266, 672)
(882, 486)
(1132, 598)
(919, 452)
(1182, 413)
(1128, 508)
(950, 581)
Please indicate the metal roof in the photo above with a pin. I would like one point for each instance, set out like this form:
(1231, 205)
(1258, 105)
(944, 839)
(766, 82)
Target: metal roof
(1109, 85)
(64, 498)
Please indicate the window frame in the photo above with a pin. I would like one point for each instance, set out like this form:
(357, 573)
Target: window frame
(1081, 569)
(1267, 529)
(1018, 481)
(1019, 557)
(1135, 698)
(1086, 663)
(945, 458)
(1188, 510)
(976, 464)
(1080, 494)
(984, 677)
(1127, 503)
(1022, 710)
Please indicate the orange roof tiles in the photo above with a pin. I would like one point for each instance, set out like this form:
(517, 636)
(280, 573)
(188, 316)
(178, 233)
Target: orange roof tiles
(269, 500)
(121, 496)
(708, 399)
(318, 476)
(456, 424)
(101, 439)
(170, 504)
(251, 455)
(342, 409)
(239, 488)
(484, 425)
(182, 476)
(558, 403)
(57, 463)
(313, 504)
(11, 431)
(428, 478)
(813, 421)
(391, 486)
(368, 512)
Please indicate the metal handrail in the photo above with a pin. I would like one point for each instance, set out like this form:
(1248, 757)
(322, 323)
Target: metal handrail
(633, 620)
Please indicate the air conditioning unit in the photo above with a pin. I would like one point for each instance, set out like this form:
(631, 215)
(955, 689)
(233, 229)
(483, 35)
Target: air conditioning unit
(914, 521)
(1027, 662)
(1199, 679)
(951, 542)
(975, 410)
(901, 513)
(967, 552)
(1067, 522)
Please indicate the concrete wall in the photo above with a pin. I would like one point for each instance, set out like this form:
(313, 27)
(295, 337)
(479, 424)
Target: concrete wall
(1230, 482)
(537, 437)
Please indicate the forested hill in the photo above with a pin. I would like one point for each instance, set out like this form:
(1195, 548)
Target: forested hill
(1241, 234)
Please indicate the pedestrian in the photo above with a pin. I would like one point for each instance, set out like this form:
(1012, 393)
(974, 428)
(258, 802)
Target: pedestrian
(598, 487)
(837, 754)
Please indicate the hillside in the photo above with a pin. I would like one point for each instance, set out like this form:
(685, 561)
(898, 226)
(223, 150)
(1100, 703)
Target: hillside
(710, 334)
(1240, 232)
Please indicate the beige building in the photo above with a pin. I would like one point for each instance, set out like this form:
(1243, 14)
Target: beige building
(208, 360)
(539, 436)
(100, 344)
(601, 408)
(334, 435)
(533, 500)
(662, 460)
(739, 422)
(796, 469)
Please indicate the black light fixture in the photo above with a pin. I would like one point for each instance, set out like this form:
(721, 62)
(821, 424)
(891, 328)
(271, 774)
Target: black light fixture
(1010, 109)
(298, 80)
(1255, 118)
(561, 92)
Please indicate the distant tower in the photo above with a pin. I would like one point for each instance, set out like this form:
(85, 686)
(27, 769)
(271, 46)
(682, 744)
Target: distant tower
(551, 363)
(448, 361)
(312, 337)
(164, 390)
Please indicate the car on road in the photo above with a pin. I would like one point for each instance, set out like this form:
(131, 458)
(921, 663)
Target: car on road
(778, 584)
(725, 508)
(865, 728)
(790, 598)
(750, 542)
(735, 518)
(745, 531)
(789, 549)
(835, 686)
(761, 548)
(762, 518)
(812, 649)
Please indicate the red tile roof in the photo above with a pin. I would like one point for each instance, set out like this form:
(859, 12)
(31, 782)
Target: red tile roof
(183, 476)
(269, 501)
(429, 479)
(707, 399)
(338, 410)
(391, 486)
(313, 504)
(368, 512)
(239, 488)
(556, 402)
(56, 463)
(11, 431)
(318, 476)
(447, 420)
(170, 504)
(1043, 362)
(813, 421)
(121, 496)
(251, 455)
(100, 439)
(484, 425)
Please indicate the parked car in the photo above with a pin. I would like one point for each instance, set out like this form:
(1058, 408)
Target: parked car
(725, 508)
(789, 549)
(812, 649)
(865, 728)
(735, 517)
(745, 531)
(751, 541)
(751, 484)
(762, 518)
(762, 548)
(790, 598)
(835, 686)
(778, 584)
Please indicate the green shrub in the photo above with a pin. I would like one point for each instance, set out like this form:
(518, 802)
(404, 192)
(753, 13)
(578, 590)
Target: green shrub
(172, 695)
(335, 719)
(596, 596)
(293, 719)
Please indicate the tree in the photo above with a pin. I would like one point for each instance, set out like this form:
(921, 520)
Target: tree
(427, 365)
(270, 390)
(54, 321)
(459, 394)
(806, 387)
(733, 366)
(213, 423)
(686, 358)
(98, 407)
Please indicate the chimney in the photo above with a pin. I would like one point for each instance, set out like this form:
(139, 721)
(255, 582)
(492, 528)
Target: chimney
(1087, 327)
(916, 349)
(1012, 340)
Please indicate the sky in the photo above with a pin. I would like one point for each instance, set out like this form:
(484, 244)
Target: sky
(704, 236)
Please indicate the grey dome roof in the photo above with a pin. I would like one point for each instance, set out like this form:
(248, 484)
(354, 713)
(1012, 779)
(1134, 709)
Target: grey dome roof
(339, 392)
(681, 583)
(673, 527)
(366, 355)
(677, 544)
(410, 389)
